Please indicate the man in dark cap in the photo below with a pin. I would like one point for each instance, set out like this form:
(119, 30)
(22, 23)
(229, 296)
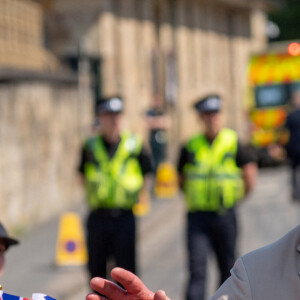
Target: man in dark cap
(215, 172)
(5, 242)
(116, 170)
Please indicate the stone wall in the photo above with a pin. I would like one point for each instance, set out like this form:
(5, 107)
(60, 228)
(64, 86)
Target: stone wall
(22, 37)
(182, 48)
(42, 125)
(210, 43)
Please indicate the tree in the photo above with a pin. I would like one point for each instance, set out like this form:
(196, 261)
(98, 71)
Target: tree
(288, 20)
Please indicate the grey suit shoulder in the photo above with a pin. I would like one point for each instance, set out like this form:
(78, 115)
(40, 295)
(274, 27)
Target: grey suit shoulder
(271, 272)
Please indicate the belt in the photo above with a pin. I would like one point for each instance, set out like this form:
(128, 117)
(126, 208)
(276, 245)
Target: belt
(111, 212)
(220, 212)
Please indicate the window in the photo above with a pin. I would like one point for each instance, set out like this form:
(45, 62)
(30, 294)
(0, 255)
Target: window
(271, 95)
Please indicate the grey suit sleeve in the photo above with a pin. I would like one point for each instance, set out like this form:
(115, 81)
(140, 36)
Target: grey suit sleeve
(237, 286)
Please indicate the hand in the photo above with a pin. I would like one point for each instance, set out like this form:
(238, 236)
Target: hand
(134, 288)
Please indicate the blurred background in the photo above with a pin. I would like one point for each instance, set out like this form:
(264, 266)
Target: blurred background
(57, 57)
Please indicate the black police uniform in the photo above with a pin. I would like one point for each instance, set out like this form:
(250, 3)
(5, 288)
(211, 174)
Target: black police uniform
(157, 139)
(210, 230)
(111, 233)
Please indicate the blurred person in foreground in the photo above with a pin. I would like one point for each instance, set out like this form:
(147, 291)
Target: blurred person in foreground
(5, 242)
(215, 171)
(116, 171)
(269, 273)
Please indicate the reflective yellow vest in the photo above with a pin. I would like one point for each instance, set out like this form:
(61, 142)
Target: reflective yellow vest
(213, 181)
(114, 182)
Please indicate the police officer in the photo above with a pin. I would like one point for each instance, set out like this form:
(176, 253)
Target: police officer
(292, 125)
(116, 169)
(215, 172)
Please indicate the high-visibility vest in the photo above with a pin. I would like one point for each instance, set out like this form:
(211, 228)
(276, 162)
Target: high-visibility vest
(213, 182)
(114, 182)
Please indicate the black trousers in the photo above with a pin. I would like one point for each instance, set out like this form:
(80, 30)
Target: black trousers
(296, 181)
(111, 234)
(208, 231)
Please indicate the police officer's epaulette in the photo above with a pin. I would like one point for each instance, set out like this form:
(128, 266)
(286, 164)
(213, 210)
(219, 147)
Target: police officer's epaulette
(193, 143)
(90, 142)
(133, 142)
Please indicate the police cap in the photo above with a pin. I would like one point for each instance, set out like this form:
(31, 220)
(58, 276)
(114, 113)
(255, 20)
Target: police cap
(111, 104)
(211, 103)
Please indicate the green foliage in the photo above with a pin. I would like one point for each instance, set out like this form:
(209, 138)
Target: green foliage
(288, 20)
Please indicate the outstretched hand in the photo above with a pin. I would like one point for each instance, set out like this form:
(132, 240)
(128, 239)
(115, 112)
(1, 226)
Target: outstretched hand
(134, 288)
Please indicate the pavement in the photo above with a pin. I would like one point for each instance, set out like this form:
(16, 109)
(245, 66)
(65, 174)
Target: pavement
(264, 216)
(30, 267)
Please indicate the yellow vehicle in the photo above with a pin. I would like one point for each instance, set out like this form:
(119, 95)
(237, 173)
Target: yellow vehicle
(272, 78)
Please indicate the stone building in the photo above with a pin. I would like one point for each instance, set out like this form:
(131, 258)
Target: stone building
(22, 37)
(44, 115)
(181, 49)
(42, 124)
(178, 49)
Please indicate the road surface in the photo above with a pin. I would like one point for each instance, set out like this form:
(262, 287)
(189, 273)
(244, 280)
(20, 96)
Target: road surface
(265, 216)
